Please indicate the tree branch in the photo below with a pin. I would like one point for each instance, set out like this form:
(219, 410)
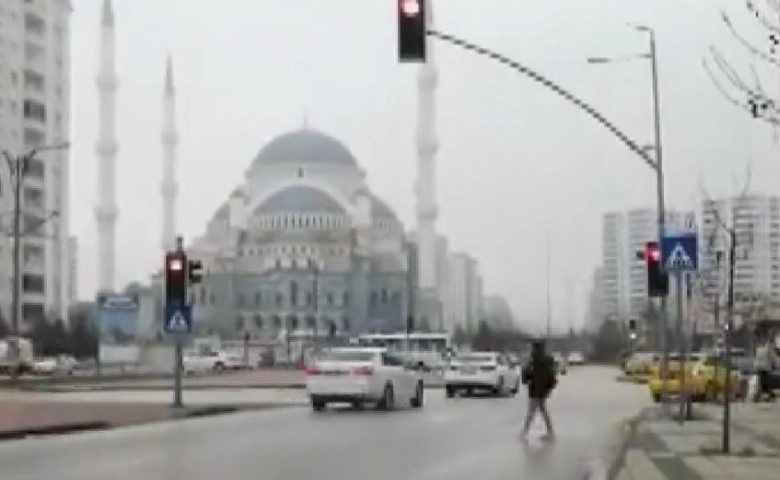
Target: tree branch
(773, 38)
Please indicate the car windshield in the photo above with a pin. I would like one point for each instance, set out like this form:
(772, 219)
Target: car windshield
(346, 356)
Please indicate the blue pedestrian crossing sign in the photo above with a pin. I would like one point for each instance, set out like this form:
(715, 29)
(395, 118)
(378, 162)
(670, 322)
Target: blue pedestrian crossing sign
(680, 252)
(178, 318)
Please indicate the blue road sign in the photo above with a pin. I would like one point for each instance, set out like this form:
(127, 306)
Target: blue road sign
(178, 318)
(680, 252)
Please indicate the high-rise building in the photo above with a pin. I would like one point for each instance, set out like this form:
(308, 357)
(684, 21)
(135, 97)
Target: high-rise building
(34, 113)
(755, 220)
(498, 313)
(595, 301)
(465, 292)
(613, 275)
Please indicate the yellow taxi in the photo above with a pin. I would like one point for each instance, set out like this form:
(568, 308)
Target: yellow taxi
(704, 377)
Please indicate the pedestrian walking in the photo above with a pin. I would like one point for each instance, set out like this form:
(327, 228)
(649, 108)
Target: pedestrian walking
(539, 376)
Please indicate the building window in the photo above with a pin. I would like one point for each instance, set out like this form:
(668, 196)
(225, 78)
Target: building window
(384, 295)
(34, 110)
(293, 294)
(329, 298)
(258, 298)
(279, 299)
(258, 321)
(346, 298)
(374, 298)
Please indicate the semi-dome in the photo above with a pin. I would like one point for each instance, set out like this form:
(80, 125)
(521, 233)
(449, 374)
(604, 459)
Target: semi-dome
(305, 146)
(380, 210)
(299, 199)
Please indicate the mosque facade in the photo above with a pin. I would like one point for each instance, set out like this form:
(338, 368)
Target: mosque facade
(302, 245)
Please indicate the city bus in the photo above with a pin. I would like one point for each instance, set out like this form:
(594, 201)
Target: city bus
(427, 350)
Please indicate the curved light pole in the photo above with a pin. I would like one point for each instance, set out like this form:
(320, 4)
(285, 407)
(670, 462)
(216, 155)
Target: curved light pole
(539, 78)
(657, 166)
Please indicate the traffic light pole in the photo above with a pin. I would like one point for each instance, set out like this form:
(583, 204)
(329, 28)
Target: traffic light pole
(178, 363)
(679, 335)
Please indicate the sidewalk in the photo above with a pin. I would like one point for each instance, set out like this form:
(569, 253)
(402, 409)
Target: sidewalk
(662, 449)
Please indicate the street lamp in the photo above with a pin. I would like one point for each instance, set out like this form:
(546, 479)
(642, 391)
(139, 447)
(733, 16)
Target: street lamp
(315, 270)
(657, 165)
(19, 167)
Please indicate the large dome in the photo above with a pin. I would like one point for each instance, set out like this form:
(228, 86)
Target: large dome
(299, 199)
(304, 146)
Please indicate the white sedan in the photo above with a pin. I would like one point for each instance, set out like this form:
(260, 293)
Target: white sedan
(482, 371)
(576, 358)
(362, 375)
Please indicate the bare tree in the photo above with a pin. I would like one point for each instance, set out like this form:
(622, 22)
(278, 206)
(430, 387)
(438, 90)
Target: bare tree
(750, 94)
(725, 244)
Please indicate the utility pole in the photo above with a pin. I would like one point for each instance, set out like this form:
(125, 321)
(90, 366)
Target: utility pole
(548, 308)
(19, 168)
(660, 197)
(657, 165)
(726, 434)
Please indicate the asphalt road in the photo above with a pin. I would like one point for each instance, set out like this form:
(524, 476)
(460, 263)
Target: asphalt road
(450, 439)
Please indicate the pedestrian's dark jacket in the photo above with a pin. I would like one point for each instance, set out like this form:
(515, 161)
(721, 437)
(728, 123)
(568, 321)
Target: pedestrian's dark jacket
(539, 375)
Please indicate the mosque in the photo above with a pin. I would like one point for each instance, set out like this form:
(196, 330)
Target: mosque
(303, 244)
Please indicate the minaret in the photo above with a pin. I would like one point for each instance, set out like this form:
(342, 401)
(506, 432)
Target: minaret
(106, 212)
(170, 138)
(427, 146)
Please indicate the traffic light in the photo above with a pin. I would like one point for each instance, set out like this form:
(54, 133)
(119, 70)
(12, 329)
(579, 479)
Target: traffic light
(411, 30)
(195, 271)
(176, 277)
(632, 329)
(657, 278)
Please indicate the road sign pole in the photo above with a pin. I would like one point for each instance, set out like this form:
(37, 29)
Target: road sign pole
(177, 374)
(678, 292)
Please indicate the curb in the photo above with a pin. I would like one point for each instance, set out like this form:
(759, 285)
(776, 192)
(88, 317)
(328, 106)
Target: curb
(609, 465)
(160, 388)
(178, 414)
(21, 433)
(628, 429)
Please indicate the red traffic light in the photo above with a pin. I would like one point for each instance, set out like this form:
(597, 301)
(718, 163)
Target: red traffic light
(410, 8)
(652, 253)
(175, 264)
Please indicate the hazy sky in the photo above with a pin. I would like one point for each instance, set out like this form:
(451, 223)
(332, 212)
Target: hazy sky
(516, 162)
